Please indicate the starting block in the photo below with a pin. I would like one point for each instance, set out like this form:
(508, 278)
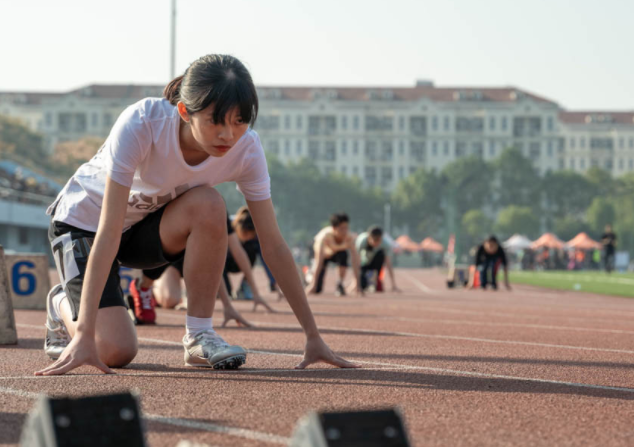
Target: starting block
(111, 420)
(28, 279)
(377, 428)
(8, 335)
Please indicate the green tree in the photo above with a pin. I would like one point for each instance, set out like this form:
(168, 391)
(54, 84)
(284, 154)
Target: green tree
(567, 227)
(476, 226)
(600, 213)
(567, 193)
(518, 182)
(417, 202)
(517, 219)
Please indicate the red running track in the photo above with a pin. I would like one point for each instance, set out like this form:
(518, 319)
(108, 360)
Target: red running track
(468, 368)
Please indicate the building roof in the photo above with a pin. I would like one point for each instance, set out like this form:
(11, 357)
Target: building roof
(441, 94)
(597, 117)
(28, 98)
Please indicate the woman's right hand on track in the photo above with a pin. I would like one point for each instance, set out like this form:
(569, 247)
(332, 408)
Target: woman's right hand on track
(82, 350)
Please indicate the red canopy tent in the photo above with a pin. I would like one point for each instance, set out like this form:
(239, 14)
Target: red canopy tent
(583, 242)
(429, 244)
(547, 240)
(406, 243)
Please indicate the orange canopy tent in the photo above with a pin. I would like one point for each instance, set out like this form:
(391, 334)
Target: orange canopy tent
(583, 242)
(547, 240)
(429, 244)
(406, 243)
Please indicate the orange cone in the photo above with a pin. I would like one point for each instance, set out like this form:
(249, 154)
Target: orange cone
(475, 276)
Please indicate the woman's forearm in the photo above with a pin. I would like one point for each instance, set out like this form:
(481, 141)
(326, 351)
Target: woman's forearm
(100, 261)
(280, 260)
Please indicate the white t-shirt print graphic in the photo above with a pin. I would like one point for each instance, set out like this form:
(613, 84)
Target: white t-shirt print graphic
(143, 152)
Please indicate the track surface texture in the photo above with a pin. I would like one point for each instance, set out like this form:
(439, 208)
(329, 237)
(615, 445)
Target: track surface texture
(529, 367)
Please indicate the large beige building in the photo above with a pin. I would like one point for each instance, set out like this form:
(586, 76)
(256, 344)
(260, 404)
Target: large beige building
(379, 135)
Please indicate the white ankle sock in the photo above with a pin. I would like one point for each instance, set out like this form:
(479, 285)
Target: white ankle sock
(196, 325)
(57, 303)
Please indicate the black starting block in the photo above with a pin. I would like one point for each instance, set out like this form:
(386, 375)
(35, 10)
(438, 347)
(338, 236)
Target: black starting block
(380, 428)
(96, 421)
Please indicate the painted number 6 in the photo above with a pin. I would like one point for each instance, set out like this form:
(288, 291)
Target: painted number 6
(17, 276)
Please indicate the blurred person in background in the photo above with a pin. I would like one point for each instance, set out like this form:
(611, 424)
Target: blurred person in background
(609, 248)
(332, 244)
(374, 252)
(489, 257)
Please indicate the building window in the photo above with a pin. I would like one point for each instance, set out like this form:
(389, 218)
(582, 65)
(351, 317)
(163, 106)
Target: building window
(477, 149)
(287, 122)
(608, 165)
(418, 125)
(274, 147)
(504, 123)
(298, 147)
(313, 150)
(401, 123)
(401, 172)
(49, 119)
(434, 148)
(445, 148)
(355, 122)
(464, 124)
(621, 164)
(561, 163)
(631, 143)
(23, 235)
(434, 123)
(461, 149)
(622, 143)
(287, 147)
(550, 148)
(582, 163)
(446, 123)
(386, 175)
(344, 148)
(331, 153)
(355, 148)
(107, 119)
(582, 143)
(370, 175)
(355, 170)
(550, 123)
(95, 119)
(535, 151)
(572, 143)
(344, 122)
(378, 123)
(631, 163)
(492, 123)
(299, 122)
(492, 148)
(401, 148)
(417, 151)
(344, 170)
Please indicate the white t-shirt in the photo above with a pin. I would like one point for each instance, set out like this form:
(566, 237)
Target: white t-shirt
(143, 152)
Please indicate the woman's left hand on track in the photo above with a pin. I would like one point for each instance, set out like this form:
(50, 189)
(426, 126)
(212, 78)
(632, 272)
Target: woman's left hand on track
(232, 314)
(318, 351)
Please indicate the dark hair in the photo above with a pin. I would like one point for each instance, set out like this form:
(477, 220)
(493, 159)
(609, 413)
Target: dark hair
(243, 220)
(375, 231)
(216, 79)
(338, 218)
(493, 239)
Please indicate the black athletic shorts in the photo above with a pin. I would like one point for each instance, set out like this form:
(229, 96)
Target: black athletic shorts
(140, 248)
(340, 258)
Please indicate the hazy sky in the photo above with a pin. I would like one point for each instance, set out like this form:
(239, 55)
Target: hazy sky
(576, 52)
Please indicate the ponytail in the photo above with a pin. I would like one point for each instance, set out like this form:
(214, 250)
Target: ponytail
(243, 220)
(172, 91)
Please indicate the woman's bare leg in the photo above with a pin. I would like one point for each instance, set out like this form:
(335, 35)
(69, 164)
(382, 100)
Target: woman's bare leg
(167, 289)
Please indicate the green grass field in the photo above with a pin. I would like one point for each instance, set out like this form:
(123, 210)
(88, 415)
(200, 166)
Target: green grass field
(619, 284)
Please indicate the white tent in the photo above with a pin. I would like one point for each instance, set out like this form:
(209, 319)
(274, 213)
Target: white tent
(517, 242)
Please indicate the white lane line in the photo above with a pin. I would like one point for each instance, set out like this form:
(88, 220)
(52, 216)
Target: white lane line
(451, 337)
(404, 334)
(413, 367)
(421, 286)
(475, 374)
(207, 426)
(203, 426)
(21, 393)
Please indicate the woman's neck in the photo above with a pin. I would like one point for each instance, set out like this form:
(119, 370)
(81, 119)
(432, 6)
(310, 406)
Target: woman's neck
(192, 153)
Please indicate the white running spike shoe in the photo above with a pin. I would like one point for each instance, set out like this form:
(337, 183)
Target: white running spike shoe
(208, 349)
(57, 337)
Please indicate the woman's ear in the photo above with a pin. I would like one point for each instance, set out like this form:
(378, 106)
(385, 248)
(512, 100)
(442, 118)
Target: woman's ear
(182, 111)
